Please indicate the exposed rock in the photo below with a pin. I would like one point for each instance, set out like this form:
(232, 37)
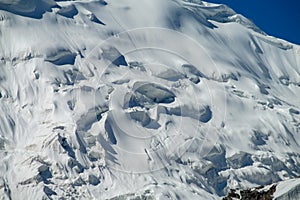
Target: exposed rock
(251, 194)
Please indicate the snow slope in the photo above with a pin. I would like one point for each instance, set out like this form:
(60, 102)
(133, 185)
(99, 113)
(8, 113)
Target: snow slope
(288, 189)
(143, 99)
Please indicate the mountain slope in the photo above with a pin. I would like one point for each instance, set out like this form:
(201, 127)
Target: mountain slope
(143, 99)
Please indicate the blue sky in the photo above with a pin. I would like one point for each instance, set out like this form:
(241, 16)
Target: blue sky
(279, 18)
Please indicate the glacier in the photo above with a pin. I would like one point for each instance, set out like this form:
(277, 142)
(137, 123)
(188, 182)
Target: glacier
(139, 99)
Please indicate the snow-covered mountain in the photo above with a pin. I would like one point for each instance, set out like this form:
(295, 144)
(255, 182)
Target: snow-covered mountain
(144, 99)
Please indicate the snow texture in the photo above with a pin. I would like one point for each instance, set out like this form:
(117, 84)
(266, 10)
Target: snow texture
(143, 99)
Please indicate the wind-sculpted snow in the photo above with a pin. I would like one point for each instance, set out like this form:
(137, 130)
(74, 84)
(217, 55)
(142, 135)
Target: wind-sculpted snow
(143, 99)
(29, 8)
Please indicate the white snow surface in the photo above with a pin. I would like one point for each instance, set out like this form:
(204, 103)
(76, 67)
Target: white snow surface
(143, 99)
(289, 189)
